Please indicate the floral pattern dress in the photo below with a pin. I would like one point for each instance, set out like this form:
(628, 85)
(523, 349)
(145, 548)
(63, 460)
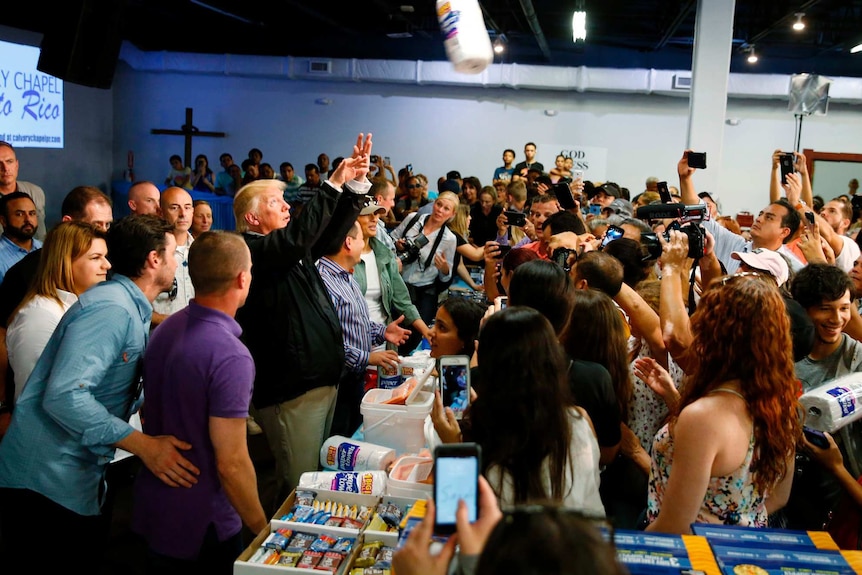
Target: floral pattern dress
(731, 499)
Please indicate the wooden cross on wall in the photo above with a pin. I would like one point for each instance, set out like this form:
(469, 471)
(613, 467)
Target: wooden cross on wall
(189, 131)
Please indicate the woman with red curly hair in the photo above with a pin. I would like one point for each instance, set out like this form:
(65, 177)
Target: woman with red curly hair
(726, 456)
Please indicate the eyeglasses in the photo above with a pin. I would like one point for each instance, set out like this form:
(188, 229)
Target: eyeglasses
(413, 186)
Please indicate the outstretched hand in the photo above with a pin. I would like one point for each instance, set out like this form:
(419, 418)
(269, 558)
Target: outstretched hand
(357, 165)
(395, 333)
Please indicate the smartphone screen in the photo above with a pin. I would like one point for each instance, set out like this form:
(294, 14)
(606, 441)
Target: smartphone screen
(612, 233)
(596, 209)
(456, 477)
(455, 383)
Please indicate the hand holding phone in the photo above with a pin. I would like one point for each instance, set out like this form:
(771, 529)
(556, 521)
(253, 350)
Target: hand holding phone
(454, 383)
(517, 219)
(697, 160)
(785, 163)
(816, 437)
(501, 302)
(456, 478)
(664, 193)
(809, 216)
(564, 196)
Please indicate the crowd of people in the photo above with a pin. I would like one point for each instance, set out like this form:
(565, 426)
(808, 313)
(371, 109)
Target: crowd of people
(644, 369)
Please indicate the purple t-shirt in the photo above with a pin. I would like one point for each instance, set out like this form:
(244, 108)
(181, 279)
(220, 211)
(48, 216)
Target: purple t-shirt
(195, 367)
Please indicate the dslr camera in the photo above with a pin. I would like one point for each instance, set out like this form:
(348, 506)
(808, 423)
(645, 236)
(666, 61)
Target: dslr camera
(410, 253)
(687, 220)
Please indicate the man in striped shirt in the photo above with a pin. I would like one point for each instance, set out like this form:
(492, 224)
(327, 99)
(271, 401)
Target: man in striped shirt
(360, 333)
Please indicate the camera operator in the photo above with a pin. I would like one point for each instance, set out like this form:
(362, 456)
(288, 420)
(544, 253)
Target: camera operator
(429, 259)
(774, 226)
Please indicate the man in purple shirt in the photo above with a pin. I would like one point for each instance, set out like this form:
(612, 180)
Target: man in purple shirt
(198, 380)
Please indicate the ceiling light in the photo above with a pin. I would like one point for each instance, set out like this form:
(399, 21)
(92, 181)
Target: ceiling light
(499, 46)
(579, 25)
(752, 56)
(799, 24)
(856, 48)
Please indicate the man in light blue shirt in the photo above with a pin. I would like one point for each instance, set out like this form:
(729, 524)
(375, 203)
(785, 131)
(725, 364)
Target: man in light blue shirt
(74, 411)
(19, 219)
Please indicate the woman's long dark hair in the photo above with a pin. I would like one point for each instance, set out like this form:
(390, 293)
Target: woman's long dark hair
(521, 414)
(597, 332)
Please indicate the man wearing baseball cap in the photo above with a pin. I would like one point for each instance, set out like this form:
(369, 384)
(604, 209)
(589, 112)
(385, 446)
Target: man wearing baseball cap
(763, 260)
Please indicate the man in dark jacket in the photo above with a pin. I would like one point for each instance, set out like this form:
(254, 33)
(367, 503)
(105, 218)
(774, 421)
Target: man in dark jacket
(288, 322)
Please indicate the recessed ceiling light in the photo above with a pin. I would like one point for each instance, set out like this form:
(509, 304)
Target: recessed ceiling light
(752, 55)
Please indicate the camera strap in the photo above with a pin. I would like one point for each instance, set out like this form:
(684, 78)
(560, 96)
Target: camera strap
(691, 303)
(437, 241)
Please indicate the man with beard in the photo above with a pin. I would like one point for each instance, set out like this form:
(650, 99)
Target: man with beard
(74, 412)
(9, 183)
(19, 219)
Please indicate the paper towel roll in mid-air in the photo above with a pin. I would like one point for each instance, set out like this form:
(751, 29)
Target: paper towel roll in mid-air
(468, 46)
(833, 404)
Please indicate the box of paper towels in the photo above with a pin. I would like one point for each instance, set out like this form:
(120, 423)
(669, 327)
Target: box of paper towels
(833, 404)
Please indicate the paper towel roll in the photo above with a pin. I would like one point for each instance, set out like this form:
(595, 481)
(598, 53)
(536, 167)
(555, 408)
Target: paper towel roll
(466, 39)
(833, 404)
(364, 482)
(345, 454)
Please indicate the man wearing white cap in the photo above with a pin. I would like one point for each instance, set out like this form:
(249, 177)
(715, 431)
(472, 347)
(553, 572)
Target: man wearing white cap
(763, 260)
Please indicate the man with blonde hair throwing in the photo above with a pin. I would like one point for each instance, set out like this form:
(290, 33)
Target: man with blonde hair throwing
(289, 324)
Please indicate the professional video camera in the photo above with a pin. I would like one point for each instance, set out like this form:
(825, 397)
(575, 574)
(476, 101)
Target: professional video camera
(410, 253)
(686, 218)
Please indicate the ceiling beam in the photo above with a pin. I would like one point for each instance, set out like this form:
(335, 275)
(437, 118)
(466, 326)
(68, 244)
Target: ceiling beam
(533, 21)
(683, 13)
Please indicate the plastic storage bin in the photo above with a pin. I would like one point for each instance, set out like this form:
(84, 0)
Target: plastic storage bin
(400, 427)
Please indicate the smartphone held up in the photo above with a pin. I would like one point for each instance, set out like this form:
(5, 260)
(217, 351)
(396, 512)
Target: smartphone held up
(456, 478)
(454, 382)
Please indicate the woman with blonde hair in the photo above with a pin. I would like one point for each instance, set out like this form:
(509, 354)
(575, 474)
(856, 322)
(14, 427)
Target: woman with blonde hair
(426, 248)
(466, 253)
(73, 258)
(727, 454)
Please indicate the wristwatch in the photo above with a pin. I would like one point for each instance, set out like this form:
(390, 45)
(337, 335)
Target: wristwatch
(800, 205)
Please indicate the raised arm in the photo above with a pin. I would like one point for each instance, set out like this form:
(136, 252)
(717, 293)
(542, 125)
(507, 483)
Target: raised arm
(686, 185)
(644, 321)
(673, 314)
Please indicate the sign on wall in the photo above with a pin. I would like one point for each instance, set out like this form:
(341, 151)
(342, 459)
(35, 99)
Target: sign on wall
(31, 102)
(593, 161)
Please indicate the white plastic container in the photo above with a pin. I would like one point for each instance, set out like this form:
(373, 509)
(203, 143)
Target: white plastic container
(399, 427)
(407, 488)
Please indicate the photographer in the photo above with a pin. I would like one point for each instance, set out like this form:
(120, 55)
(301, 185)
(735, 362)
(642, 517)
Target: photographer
(774, 226)
(426, 248)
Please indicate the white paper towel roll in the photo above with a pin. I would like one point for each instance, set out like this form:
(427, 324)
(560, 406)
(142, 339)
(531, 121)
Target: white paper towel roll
(833, 404)
(363, 482)
(466, 39)
(345, 454)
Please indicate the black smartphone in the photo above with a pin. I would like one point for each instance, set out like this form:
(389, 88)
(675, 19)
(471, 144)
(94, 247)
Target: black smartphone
(785, 162)
(697, 160)
(664, 193)
(503, 251)
(410, 168)
(513, 218)
(810, 217)
(612, 233)
(815, 437)
(564, 196)
(456, 477)
(375, 159)
(454, 382)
